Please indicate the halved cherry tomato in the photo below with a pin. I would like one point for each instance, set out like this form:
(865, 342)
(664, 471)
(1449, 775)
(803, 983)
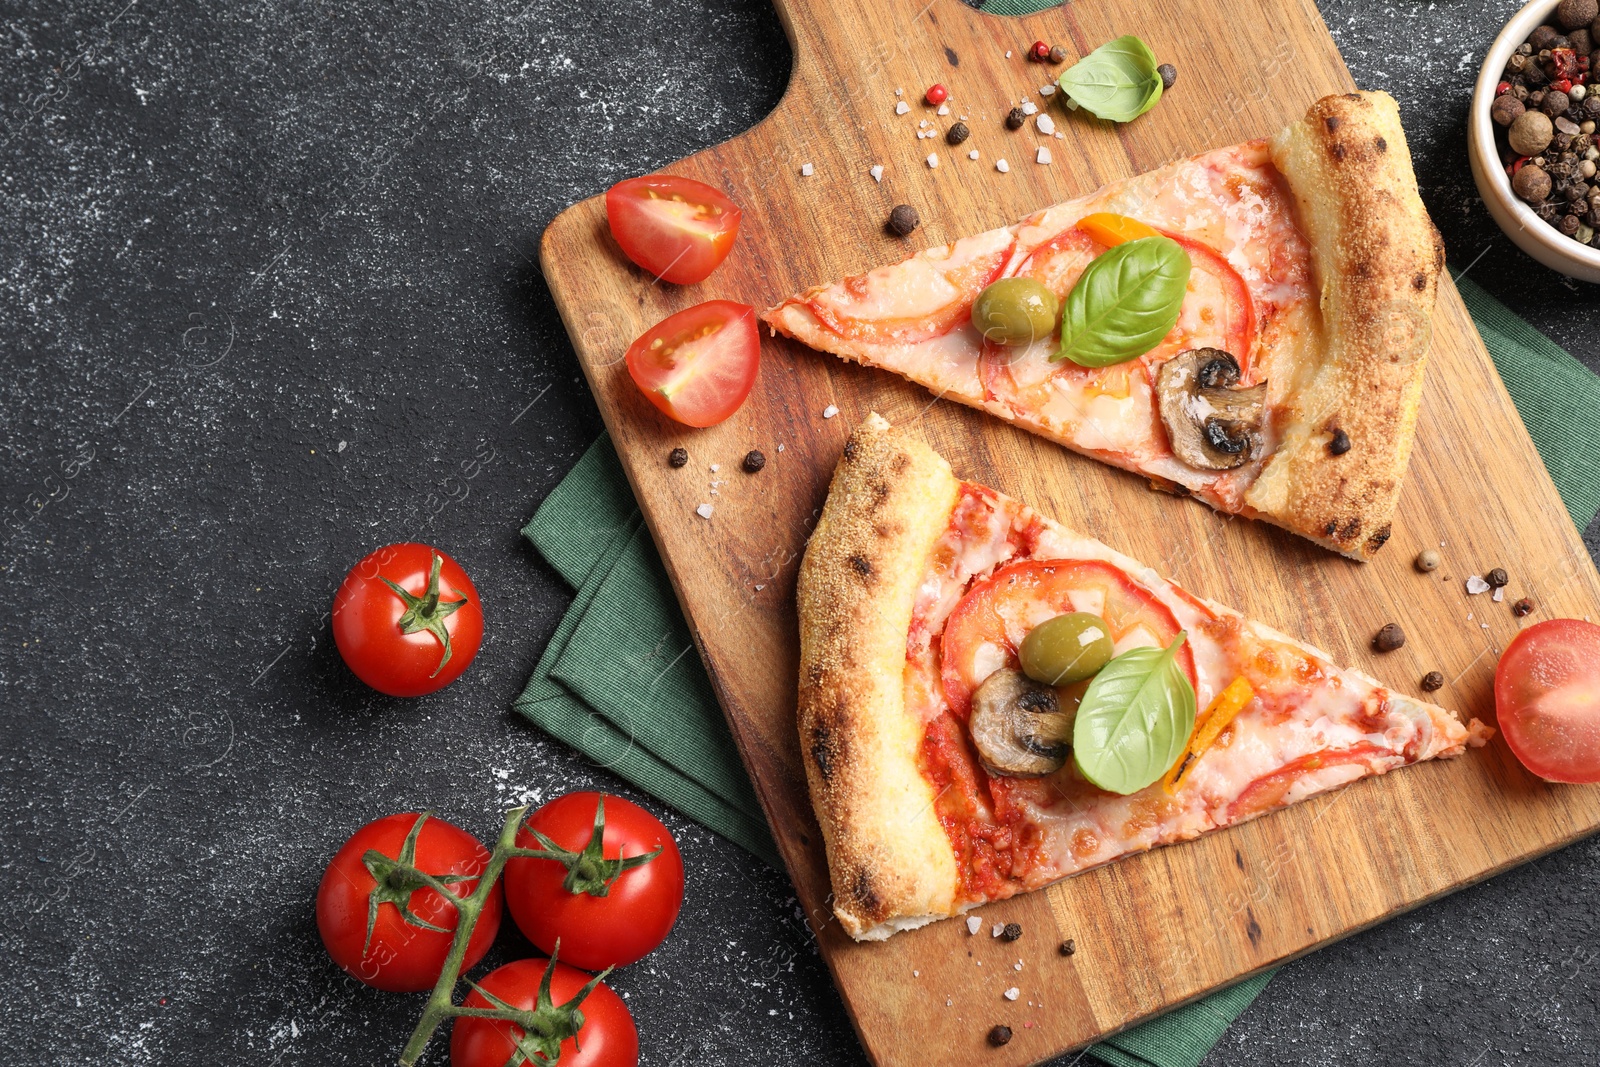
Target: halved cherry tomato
(676, 228)
(698, 366)
(575, 1025)
(1547, 698)
(385, 926)
(988, 625)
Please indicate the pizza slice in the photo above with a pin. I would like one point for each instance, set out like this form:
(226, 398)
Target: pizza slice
(945, 774)
(1287, 387)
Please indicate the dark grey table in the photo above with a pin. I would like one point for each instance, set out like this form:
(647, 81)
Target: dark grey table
(267, 276)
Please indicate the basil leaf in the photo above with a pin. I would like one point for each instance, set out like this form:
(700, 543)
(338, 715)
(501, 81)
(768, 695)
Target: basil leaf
(1125, 302)
(1135, 719)
(1117, 81)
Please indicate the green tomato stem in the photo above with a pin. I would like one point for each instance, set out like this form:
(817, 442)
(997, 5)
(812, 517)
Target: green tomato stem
(441, 1002)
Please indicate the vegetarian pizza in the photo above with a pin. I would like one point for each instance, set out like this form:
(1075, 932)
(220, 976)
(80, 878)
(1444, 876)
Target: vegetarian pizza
(1248, 326)
(990, 702)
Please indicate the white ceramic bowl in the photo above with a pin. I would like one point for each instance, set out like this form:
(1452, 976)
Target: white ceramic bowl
(1528, 231)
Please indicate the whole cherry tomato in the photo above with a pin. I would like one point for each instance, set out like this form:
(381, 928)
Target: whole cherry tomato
(612, 885)
(575, 1019)
(382, 923)
(407, 620)
(698, 366)
(1547, 699)
(678, 229)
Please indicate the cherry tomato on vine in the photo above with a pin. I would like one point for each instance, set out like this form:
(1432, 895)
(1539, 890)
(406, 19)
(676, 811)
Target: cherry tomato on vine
(407, 620)
(698, 366)
(572, 1017)
(1547, 699)
(611, 889)
(383, 924)
(676, 228)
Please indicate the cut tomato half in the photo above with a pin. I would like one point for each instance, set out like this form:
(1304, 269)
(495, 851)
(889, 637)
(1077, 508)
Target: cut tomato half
(698, 366)
(676, 228)
(1547, 698)
(986, 628)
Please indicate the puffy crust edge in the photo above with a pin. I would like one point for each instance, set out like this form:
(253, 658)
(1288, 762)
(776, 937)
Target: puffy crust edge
(1377, 259)
(891, 863)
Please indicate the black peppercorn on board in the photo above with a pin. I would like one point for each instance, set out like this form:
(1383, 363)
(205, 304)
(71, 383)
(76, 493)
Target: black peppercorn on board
(1155, 930)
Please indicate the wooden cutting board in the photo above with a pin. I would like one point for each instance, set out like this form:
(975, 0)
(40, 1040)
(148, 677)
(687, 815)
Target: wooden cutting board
(1155, 930)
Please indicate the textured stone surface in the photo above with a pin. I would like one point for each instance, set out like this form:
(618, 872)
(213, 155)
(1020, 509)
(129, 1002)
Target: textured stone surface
(267, 282)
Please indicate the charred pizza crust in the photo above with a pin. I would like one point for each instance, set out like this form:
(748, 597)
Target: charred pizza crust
(1377, 259)
(890, 859)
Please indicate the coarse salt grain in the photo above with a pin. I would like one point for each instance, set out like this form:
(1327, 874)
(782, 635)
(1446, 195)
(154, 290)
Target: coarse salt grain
(807, 170)
(1042, 156)
(759, 588)
(999, 928)
(923, 124)
(1047, 90)
(715, 467)
(1017, 966)
(704, 511)
(1045, 124)
(1476, 585)
(901, 108)
(829, 412)
(899, 92)
(780, 448)
(973, 923)
(916, 974)
(877, 173)
(1008, 55)
(933, 161)
(972, 154)
(1499, 594)
(1013, 993)
(944, 109)
(1029, 107)
(1002, 166)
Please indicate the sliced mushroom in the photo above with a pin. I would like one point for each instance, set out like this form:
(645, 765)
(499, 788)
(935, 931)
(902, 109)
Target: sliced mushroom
(1019, 726)
(1212, 422)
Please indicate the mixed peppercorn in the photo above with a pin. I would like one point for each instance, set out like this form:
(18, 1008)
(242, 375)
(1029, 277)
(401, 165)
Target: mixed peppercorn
(1545, 120)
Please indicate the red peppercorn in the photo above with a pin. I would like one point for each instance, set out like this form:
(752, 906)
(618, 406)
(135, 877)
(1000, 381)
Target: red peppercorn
(1502, 89)
(1039, 51)
(937, 94)
(1562, 85)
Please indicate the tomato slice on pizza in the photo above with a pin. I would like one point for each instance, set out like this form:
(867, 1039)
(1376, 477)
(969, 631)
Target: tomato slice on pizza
(945, 775)
(1287, 388)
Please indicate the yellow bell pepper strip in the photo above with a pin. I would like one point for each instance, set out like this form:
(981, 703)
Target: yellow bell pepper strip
(1224, 708)
(1111, 229)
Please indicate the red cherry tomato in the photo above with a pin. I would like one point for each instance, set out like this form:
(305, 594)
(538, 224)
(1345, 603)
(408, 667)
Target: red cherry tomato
(698, 366)
(553, 899)
(998, 612)
(1547, 698)
(606, 1038)
(678, 229)
(400, 954)
(414, 641)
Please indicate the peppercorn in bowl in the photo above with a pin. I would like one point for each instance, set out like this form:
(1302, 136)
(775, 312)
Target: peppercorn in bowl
(1531, 134)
